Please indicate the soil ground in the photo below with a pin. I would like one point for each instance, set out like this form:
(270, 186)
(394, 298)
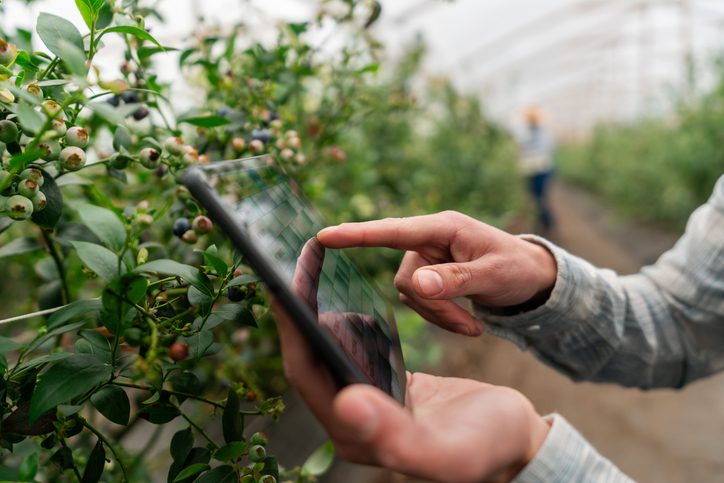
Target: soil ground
(656, 436)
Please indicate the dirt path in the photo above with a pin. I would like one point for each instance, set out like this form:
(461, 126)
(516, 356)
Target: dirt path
(658, 436)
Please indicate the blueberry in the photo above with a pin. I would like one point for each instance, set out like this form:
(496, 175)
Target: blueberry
(114, 101)
(235, 294)
(130, 97)
(263, 135)
(181, 226)
(19, 207)
(141, 113)
(8, 132)
(223, 111)
(50, 150)
(72, 158)
(77, 136)
(150, 158)
(257, 453)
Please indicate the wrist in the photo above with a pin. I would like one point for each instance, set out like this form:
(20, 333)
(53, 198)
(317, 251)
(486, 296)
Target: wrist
(546, 270)
(539, 429)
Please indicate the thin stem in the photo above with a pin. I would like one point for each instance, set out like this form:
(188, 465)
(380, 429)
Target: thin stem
(191, 310)
(59, 264)
(48, 69)
(174, 393)
(196, 427)
(75, 468)
(113, 450)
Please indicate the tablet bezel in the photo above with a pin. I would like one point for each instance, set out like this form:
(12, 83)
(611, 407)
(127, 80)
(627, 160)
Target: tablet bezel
(344, 371)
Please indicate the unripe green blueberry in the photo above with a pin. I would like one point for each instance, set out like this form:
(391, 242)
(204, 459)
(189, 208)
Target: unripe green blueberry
(300, 159)
(72, 158)
(133, 337)
(39, 201)
(4, 175)
(259, 438)
(202, 225)
(191, 156)
(174, 146)
(8, 132)
(182, 193)
(28, 188)
(256, 146)
(257, 453)
(295, 142)
(204, 159)
(291, 134)
(7, 52)
(77, 136)
(144, 219)
(50, 150)
(51, 108)
(268, 479)
(190, 237)
(238, 145)
(58, 125)
(119, 161)
(35, 91)
(150, 158)
(18, 207)
(35, 174)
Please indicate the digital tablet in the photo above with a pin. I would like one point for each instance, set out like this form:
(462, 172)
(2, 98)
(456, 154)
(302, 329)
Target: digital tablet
(349, 324)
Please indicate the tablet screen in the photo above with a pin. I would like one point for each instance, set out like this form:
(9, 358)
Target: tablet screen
(277, 217)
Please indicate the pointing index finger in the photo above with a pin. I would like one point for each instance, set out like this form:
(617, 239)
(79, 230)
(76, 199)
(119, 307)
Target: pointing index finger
(397, 233)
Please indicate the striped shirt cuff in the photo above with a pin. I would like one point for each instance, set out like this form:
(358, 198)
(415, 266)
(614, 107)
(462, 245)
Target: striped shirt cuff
(567, 457)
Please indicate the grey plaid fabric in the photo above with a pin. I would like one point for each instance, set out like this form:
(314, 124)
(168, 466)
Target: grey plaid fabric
(662, 327)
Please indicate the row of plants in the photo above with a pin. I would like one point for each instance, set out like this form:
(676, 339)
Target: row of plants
(657, 169)
(147, 314)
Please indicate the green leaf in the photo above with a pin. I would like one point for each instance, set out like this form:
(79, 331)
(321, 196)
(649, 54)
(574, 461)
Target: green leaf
(96, 338)
(56, 356)
(158, 414)
(122, 138)
(96, 4)
(243, 280)
(192, 275)
(271, 467)
(86, 12)
(22, 159)
(112, 402)
(206, 121)
(8, 474)
(105, 224)
(96, 464)
(63, 458)
(7, 345)
(72, 310)
(20, 246)
(187, 383)
(30, 119)
(146, 52)
(237, 313)
(231, 451)
(73, 58)
(99, 259)
(60, 330)
(191, 471)
(219, 265)
(28, 468)
(220, 474)
(24, 61)
(135, 31)
(105, 16)
(69, 410)
(71, 377)
(196, 298)
(49, 217)
(181, 444)
(52, 29)
(231, 422)
(320, 461)
(131, 287)
(199, 342)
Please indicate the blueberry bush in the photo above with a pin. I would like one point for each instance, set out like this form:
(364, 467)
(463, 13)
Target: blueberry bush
(123, 305)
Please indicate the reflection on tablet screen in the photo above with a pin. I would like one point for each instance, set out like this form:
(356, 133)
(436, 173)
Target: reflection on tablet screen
(274, 214)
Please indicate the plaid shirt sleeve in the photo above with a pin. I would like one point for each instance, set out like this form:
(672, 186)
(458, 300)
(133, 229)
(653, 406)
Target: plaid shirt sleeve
(663, 327)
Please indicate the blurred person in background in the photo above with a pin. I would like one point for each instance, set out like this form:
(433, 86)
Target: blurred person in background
(537, 156)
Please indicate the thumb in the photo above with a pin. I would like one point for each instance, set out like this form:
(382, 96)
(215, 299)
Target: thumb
(450, 280)
(385, 432)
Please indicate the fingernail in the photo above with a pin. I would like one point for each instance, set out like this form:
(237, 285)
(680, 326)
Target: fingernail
(430, 282)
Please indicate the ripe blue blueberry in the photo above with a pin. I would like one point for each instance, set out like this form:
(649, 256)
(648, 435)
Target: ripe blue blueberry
(130, 97)
(141, 113)
(263, 135)
(114, 101)
(181, 226)
(235, 294)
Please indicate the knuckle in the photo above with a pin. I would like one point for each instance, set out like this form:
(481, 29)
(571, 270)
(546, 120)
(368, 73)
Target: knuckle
(461, 276)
